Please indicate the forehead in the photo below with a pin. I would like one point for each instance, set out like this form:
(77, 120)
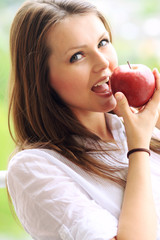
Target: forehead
(75, 30)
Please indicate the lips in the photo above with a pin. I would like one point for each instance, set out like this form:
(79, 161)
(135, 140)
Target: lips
(102, 87)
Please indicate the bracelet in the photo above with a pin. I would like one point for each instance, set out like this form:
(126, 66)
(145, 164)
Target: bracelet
(138, 150)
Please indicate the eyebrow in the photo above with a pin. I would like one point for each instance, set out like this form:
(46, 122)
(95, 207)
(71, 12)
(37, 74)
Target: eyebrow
(84, 45)
(76, 47)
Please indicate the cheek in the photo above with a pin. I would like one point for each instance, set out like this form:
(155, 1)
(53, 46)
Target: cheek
(68, 78)
(57, 76)
(64, 84)
(113, 59)
(58, 82)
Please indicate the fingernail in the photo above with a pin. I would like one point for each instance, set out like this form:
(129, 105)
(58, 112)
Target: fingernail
(118, 96)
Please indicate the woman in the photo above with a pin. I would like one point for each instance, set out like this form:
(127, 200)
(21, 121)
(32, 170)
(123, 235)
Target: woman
(71, 178)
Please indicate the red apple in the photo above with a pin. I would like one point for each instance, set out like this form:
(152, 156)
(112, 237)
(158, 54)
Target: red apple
(136, 81)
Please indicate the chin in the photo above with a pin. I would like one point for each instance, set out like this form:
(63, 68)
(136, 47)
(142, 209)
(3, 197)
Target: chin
(110, 105)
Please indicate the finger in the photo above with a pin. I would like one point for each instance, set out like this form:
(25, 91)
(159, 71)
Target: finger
(154, 104)
(157, 77)
(122, 105)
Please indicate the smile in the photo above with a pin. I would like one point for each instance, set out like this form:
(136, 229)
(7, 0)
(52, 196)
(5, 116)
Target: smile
(106, 79)
(102, 87)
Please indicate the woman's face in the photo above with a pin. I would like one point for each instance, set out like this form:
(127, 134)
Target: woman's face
(82, 57)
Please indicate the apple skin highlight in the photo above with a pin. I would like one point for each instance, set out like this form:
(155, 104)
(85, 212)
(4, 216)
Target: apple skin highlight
(135, 81)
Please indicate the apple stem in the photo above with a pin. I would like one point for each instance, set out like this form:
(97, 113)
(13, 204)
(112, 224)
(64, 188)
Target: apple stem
(129, 65)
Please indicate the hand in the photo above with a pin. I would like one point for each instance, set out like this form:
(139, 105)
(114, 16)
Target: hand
(139, 126)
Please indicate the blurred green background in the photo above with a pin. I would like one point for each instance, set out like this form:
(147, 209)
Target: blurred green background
(136, 37)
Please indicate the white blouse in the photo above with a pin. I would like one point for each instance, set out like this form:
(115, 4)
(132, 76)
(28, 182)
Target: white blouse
(56, 200)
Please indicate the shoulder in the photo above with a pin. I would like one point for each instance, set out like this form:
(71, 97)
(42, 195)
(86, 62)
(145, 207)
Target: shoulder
(31, 156)
(50, 203)
(31, 164)
(31, 153)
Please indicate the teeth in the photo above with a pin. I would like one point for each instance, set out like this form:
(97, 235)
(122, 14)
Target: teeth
(102, 82)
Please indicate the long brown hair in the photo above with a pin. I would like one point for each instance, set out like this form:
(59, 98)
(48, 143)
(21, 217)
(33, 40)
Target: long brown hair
(40, 117)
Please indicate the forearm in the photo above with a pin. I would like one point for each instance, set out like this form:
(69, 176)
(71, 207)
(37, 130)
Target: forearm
(138, 217)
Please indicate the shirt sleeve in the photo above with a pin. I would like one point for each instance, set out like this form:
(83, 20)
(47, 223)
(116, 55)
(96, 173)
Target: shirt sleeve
(51, 205)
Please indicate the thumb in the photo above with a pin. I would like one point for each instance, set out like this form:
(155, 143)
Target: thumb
(122, 105)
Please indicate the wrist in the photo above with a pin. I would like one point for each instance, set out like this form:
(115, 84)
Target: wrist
(136, 144)
(134, 150)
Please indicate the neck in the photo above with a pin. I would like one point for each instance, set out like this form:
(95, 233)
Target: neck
(95, 122)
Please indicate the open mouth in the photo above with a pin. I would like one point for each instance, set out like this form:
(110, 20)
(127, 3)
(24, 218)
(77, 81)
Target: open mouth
(102, 87)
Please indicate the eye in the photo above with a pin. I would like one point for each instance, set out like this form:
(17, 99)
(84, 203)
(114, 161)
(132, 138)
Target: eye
(103, 43)
(76, 57)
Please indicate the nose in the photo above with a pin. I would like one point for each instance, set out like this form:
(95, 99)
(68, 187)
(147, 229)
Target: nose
(100, 62)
